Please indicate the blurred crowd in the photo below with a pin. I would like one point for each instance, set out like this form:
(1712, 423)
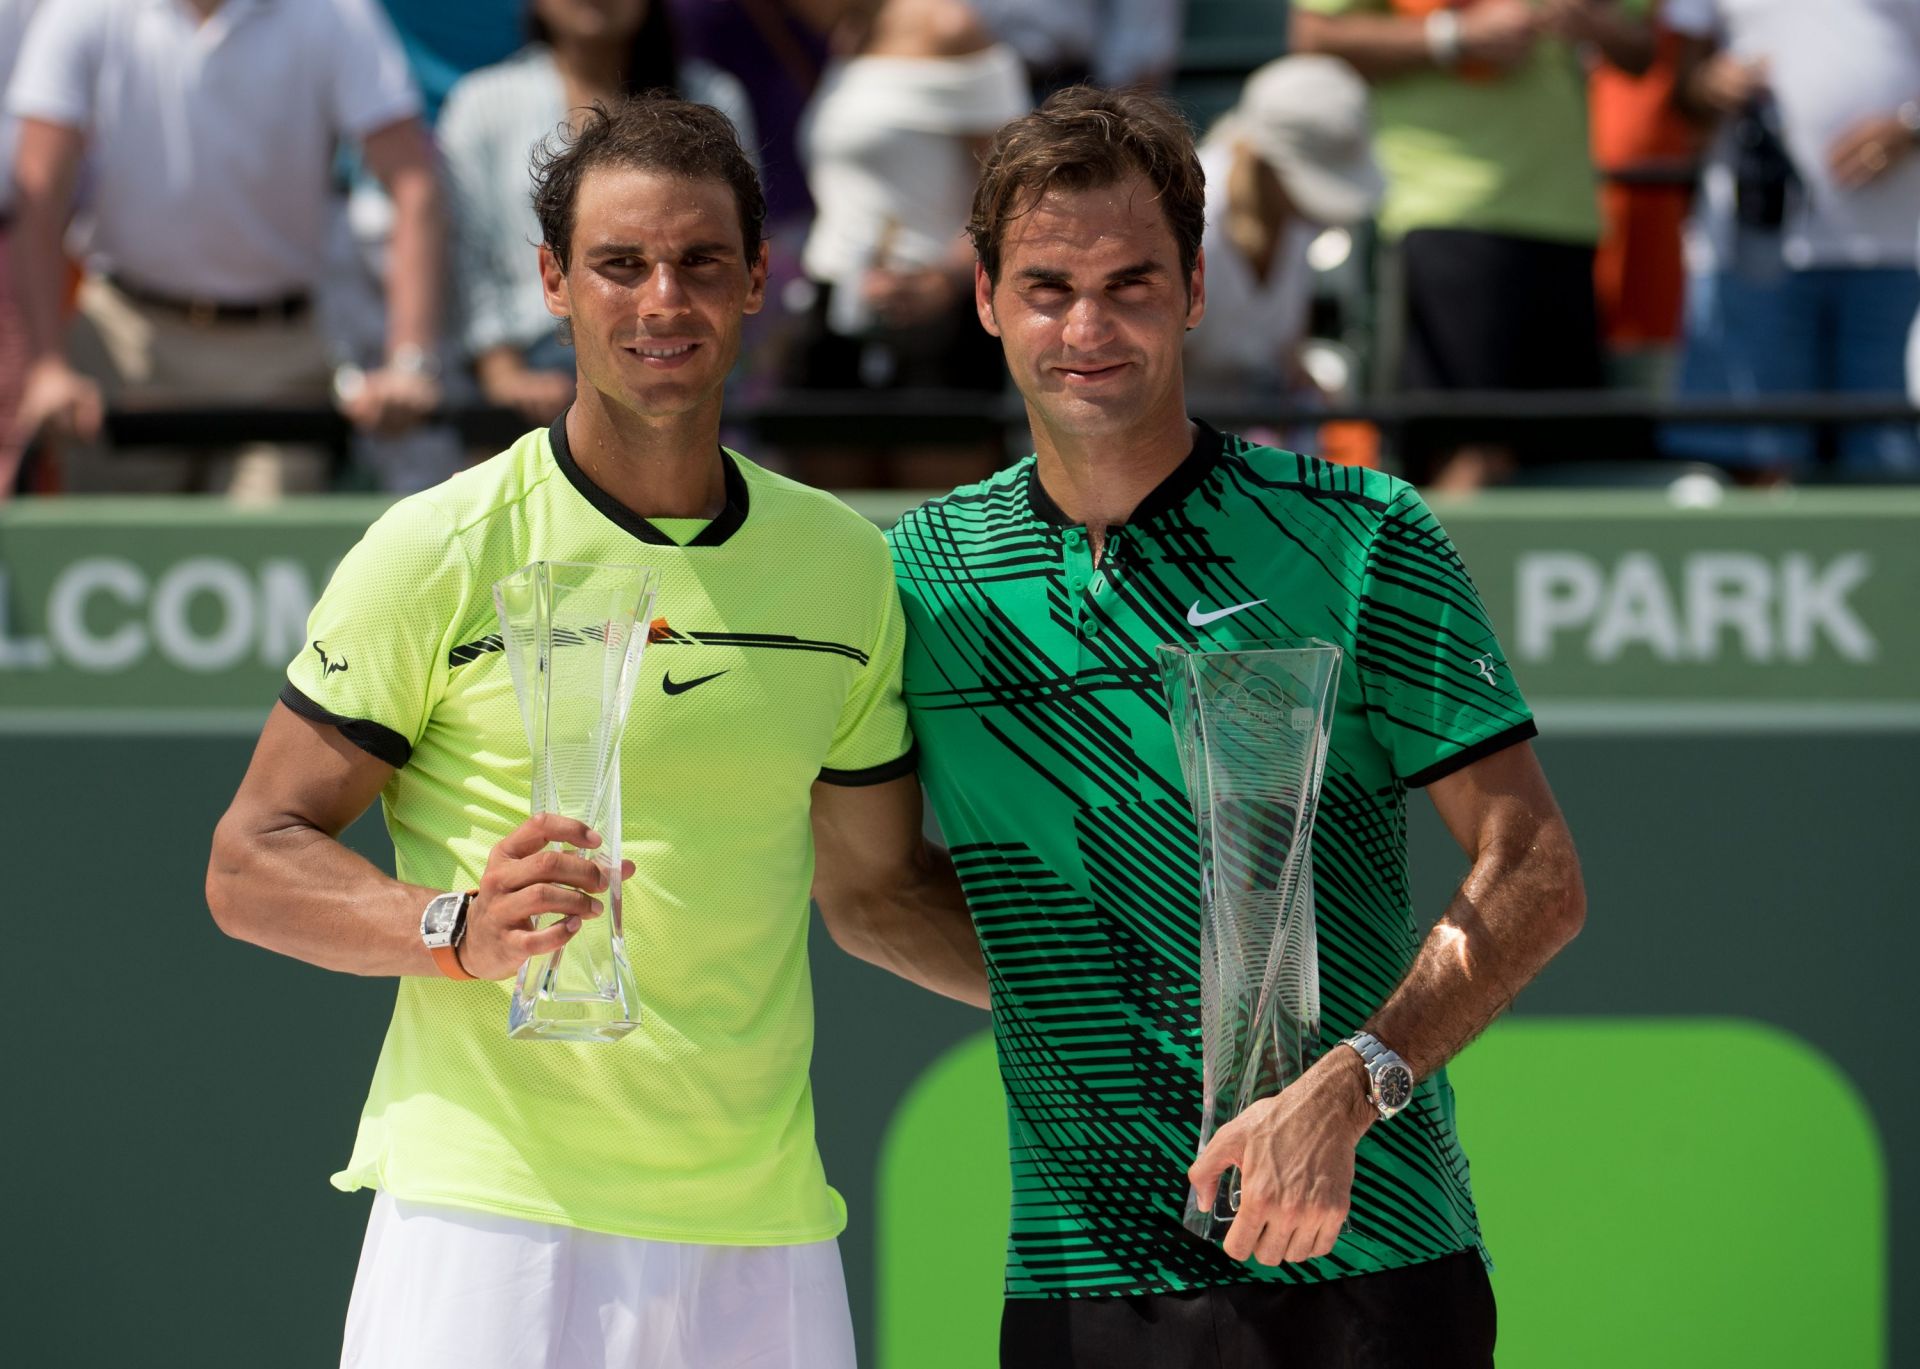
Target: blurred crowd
(228, 203)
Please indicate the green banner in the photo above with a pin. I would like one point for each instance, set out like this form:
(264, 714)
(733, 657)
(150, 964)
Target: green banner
(1789, 611)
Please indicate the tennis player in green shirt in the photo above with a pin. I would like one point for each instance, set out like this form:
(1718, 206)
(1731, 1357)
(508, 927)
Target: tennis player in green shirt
(1034, 604)
(656, 1201)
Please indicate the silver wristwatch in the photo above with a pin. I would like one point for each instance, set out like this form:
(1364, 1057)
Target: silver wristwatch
(1389, 1081)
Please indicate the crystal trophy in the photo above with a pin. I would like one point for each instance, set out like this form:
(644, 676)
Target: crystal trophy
(1251, 725)
(573, 634)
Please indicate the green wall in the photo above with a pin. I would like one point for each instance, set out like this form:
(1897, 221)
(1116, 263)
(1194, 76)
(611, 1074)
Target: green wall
(1731, 702)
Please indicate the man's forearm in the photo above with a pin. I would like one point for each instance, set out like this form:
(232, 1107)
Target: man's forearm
(415, 264)
(301, 893)
(1519, 904)
(1375, 45)
(918, 928)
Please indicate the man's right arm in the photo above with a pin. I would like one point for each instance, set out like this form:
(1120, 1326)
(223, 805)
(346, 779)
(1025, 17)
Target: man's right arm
(279, 876)
(54, 395)
(1495, 33)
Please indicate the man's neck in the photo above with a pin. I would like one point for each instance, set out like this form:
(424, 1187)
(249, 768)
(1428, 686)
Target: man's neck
(1101, 481)
(657, 468)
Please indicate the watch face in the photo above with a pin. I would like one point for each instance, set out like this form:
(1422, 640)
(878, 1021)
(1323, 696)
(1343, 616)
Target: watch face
(437, 922)
(1393, 1086)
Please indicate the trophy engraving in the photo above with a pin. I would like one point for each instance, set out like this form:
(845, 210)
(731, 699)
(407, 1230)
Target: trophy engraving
(1251, 726)
(573, 634)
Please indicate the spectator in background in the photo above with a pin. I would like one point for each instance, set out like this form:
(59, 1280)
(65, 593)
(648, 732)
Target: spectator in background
(1291, 158)
(1802, 251)
(582, 51)
(893, 142)
(1491, 207)
(776, 49)
(1112, 43)
(1649, 155)
(208, 128)
(14, 16)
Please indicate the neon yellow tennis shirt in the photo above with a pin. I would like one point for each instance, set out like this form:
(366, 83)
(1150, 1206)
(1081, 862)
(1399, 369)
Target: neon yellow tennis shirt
(780, 666)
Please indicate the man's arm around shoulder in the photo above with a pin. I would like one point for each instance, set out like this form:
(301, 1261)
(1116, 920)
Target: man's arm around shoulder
(887, 894)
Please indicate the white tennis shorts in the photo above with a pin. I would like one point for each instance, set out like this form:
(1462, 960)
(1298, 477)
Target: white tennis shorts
(445, 1288)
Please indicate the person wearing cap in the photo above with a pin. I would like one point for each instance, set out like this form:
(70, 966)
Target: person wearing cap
(1291, 158)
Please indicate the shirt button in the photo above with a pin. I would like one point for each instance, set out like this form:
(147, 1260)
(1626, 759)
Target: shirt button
(1078, 582)
(1075, 536)
(1092, 627)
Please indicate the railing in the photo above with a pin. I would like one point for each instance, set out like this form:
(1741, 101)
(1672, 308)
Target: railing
(796, 421)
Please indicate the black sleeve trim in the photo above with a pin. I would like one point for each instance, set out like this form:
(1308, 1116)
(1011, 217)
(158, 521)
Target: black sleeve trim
(382, 743)
(877, 774)
(1460, 760)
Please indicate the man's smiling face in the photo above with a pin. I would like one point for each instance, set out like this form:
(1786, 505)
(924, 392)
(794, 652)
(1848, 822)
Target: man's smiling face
(1091, 307)
(657, 287)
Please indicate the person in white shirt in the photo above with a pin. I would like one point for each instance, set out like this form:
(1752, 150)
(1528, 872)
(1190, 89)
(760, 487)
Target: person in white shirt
(1291, 158)
(582, 51)
(1801, 251)
(892, 142)
(207, 129)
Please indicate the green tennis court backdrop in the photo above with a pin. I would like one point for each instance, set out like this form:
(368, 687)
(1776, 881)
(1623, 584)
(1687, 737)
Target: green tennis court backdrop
(1730, 700)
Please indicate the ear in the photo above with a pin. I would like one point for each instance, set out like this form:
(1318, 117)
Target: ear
(553, 284)
(1197, 290)
(757, 282)
(983, 299)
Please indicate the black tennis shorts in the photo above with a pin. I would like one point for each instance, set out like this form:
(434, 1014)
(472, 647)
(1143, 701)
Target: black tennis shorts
(1437, 1315)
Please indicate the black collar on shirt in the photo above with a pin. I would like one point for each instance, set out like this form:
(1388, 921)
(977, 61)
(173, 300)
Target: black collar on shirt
(1170, 493)
(728, 522)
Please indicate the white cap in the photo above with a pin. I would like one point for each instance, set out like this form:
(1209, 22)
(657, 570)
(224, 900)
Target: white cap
(1307, 118)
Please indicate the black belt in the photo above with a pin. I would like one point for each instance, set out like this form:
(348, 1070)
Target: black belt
(286, 309)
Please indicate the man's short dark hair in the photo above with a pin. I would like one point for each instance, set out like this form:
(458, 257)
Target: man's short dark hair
(1084, 138)
(651, 132)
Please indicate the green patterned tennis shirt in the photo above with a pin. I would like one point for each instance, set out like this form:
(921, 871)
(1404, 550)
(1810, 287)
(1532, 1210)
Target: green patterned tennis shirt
(1045, 748)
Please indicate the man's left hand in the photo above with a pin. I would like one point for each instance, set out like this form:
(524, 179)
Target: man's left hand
(1295, 1155)
(390, 400)
(1868, 150)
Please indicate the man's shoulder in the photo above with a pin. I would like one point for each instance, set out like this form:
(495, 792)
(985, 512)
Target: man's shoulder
(447, 517)
(1274, 473)
(995, 501)
(787, 507)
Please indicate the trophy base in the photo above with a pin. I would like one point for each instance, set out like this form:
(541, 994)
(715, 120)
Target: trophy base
(566, 1022)
(1210, 1223)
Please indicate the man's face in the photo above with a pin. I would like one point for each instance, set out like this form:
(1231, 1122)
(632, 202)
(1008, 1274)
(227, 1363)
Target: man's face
(1091, 308)
(657, 288)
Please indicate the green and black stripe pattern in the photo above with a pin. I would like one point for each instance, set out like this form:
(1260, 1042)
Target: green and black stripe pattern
(1047, 753)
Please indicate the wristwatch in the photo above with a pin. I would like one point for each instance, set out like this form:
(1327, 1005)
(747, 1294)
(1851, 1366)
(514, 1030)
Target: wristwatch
(1389, 1081)
(443, 927)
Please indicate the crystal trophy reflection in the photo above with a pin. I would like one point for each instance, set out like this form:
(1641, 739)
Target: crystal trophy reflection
(1251, 725)
(573, 634)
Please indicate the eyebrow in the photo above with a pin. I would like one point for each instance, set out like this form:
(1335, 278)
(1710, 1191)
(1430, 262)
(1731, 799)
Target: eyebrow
(1042, 275)
(715, 248)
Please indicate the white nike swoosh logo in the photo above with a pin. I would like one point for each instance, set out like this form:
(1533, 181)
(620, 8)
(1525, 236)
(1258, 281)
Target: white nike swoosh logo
(1199, 619)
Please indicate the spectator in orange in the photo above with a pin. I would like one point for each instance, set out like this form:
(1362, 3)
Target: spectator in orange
(1648, 154)
(1491, 212)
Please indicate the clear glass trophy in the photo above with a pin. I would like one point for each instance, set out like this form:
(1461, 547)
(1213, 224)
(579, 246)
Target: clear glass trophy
(573, 634)
(1251, 724)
